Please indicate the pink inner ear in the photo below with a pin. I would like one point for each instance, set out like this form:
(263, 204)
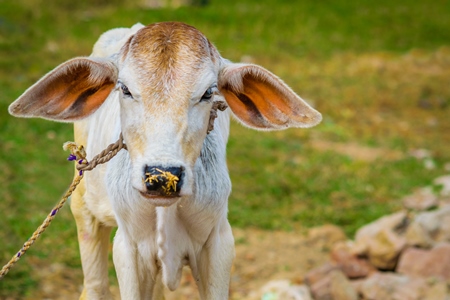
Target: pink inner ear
(270, 102)
(246, 111)
(259, 104)
(72, 91)
(261, 100)
(76, 94)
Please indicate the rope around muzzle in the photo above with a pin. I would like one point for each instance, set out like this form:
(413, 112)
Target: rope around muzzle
(78, 154)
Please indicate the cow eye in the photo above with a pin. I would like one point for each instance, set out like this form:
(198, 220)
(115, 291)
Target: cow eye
(207, 96)
(125, 90)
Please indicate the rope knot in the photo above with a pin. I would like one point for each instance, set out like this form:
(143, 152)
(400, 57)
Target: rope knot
(77, 153)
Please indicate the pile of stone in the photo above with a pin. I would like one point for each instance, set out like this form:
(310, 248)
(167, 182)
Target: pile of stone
(403, 256)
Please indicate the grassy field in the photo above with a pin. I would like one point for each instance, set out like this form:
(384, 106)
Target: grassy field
(378, 71)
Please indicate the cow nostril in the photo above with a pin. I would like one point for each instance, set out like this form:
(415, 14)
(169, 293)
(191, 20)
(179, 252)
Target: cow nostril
(163, 181)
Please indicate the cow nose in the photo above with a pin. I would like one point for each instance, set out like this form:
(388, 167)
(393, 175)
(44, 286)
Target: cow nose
(163, 181)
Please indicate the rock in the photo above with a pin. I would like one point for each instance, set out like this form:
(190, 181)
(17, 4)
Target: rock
(412, 289)
(430, 227)
(437, 291)
(422, 199)
(429, 163)
(317, 274)
(443, 234)
(352, 266)
(296, 292)
(341, 288)
(321, 289)
(283, 290)
(385, 248)
(426, 263)
(381, 242)
(327, 235)
(417, 236)
(332, 284)
(272, 288)
(366, 233)
(412, 261)
(420, 153)
(443, 181)
(357, 284)
(391, 286)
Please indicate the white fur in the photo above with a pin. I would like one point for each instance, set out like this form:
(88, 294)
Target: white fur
(164, 123)
(150, 239)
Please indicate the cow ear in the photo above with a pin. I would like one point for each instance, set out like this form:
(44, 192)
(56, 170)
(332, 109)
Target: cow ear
(261, 100)
(70, 92)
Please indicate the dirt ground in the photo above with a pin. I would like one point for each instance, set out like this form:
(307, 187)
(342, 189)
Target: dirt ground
(261, 256)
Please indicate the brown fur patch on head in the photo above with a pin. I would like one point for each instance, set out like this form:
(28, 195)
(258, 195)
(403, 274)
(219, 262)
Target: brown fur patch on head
(167, 60)
(168, 54)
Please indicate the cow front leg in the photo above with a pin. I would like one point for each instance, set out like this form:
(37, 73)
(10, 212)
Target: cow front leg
(215, 263)
(125, 262)
(93, 239)
(137, 273)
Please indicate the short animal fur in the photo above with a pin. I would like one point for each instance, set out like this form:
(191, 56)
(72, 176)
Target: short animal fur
(156, 84)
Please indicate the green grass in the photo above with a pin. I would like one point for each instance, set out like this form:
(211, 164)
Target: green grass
(378, 71)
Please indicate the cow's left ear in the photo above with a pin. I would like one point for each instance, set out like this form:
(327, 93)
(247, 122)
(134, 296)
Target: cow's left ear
(261, 100)
(70, 92)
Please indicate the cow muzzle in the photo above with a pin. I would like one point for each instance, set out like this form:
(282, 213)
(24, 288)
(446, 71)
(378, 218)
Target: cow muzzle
(163, 181)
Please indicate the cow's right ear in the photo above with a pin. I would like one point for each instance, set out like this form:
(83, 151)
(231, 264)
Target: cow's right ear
(261, 100)
(70, 92)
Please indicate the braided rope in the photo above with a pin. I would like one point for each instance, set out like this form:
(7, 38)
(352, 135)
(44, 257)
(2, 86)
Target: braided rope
(103, 156)
(41, 228)
(78, 154)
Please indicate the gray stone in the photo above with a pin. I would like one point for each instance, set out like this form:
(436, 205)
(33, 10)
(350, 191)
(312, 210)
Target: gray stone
(381, 286)
(416, 235)
(381, 242)
(283, 290)
(422, 199)
(429, 228)
(296, 292)
(341, 288)
(413, 289)
(443, 181)
(391, 286)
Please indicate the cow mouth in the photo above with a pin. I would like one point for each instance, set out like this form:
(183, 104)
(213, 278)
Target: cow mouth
(159, 199)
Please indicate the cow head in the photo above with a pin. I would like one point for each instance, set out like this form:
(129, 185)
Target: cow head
(167, 77)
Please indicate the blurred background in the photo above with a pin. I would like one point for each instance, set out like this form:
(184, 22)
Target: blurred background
(378, 71)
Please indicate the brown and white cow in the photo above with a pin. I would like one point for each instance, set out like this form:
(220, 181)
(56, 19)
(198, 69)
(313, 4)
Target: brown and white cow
(157, 85)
